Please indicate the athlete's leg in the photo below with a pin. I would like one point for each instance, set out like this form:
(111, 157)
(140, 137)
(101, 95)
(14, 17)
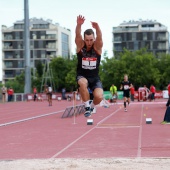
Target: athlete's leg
(98, 96)
(83, 83)
(51, 99)
(125, 99)
(3, 98)
(97, 89)
(128, 99)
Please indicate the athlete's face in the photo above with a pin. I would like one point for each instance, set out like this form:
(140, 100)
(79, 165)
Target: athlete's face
(125, 78)
(89, 40)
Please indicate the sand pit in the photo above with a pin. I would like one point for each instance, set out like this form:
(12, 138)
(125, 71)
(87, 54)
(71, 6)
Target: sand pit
(87, 164)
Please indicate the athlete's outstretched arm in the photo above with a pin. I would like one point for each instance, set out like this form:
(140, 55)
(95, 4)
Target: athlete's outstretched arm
(78, 39)
(121, 87)
(130, 85)
(99, 41)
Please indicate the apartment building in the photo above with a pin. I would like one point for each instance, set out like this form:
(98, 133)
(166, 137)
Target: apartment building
(134, 35)
(46, 40)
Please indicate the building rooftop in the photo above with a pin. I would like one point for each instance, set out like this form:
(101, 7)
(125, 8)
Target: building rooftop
(140, 25)
(37, 21)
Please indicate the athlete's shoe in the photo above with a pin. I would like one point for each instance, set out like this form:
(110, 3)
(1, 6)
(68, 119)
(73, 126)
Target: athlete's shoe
(164, 122)
(87, 112)
(93, 110)
(125, 110)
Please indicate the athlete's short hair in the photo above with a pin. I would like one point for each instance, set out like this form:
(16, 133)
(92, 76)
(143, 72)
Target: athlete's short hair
(88, 32)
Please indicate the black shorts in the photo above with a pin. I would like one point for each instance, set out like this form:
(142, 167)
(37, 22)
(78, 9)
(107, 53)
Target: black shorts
(49, 94)
(126, 94)
(93, 82)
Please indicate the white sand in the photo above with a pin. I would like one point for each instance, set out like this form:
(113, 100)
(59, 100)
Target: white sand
(87, 164)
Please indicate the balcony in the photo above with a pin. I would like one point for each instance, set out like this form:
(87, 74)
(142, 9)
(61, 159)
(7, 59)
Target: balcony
(161, 38)
(8, 38)
(8, 47)
(117, 29)
(117, 39)
(161, 47)
(153, 29)
(8, 76)
(51, 37)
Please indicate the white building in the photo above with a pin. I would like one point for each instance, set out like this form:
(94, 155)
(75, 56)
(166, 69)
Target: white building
(134, 35)
(46, 39)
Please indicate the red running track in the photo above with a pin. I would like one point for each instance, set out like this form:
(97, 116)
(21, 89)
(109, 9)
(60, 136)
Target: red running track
(115, 133)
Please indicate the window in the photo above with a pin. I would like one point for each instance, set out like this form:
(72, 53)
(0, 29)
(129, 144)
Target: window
(133, 36)
(9, 73)
(19, 26)
(8, 36)
(17, 35)
(8, 64)
(144, 36)
(40, 43)
(43, 54)
(17, 54)
(161, 36)
(40, 26)
(64, 37)
(117, 37)
(8, 54)
(136, 45)
(42, 35)
(65, 45)
(20, 64)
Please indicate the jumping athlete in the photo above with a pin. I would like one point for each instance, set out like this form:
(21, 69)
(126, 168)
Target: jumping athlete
(125, 86)
(89, 52)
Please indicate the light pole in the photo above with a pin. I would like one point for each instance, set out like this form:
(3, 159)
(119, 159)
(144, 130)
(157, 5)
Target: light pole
(33, 58)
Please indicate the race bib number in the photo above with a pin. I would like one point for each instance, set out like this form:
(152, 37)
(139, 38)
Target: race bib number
(89, 63)
(126, 87)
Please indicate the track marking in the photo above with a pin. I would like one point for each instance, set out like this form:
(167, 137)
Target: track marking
(140, 135)
(115, 127)
(121, 124)
(72, 143)
(30, 118)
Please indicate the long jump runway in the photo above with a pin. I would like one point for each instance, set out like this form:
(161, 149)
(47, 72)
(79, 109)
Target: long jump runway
(33, 130)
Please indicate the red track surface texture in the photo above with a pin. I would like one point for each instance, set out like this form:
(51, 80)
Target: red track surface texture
(38, 131)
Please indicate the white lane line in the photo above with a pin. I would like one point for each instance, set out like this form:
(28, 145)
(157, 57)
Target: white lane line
(30, 118)
(117, 127)
(72, 143)
(140, 135)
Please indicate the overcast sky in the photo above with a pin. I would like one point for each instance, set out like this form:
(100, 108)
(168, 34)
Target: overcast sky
(108, 13)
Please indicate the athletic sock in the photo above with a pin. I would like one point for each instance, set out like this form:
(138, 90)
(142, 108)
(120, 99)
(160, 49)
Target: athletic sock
(92, 104)
(87, 104)
(125, 104)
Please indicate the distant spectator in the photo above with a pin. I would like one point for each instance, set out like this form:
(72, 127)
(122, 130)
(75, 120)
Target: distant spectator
(153, 90)
(63, 93)
(50, 91)
(168, 102)
(10, 92)
(147, 92)
(132, 92)
(4, 92)
(35, 93)
(113, 90)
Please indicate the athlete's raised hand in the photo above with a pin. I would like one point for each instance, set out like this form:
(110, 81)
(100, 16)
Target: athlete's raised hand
(95, 25)
(80, 19)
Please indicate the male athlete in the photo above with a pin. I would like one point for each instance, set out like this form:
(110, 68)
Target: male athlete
(125, 86)
(89, 50)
